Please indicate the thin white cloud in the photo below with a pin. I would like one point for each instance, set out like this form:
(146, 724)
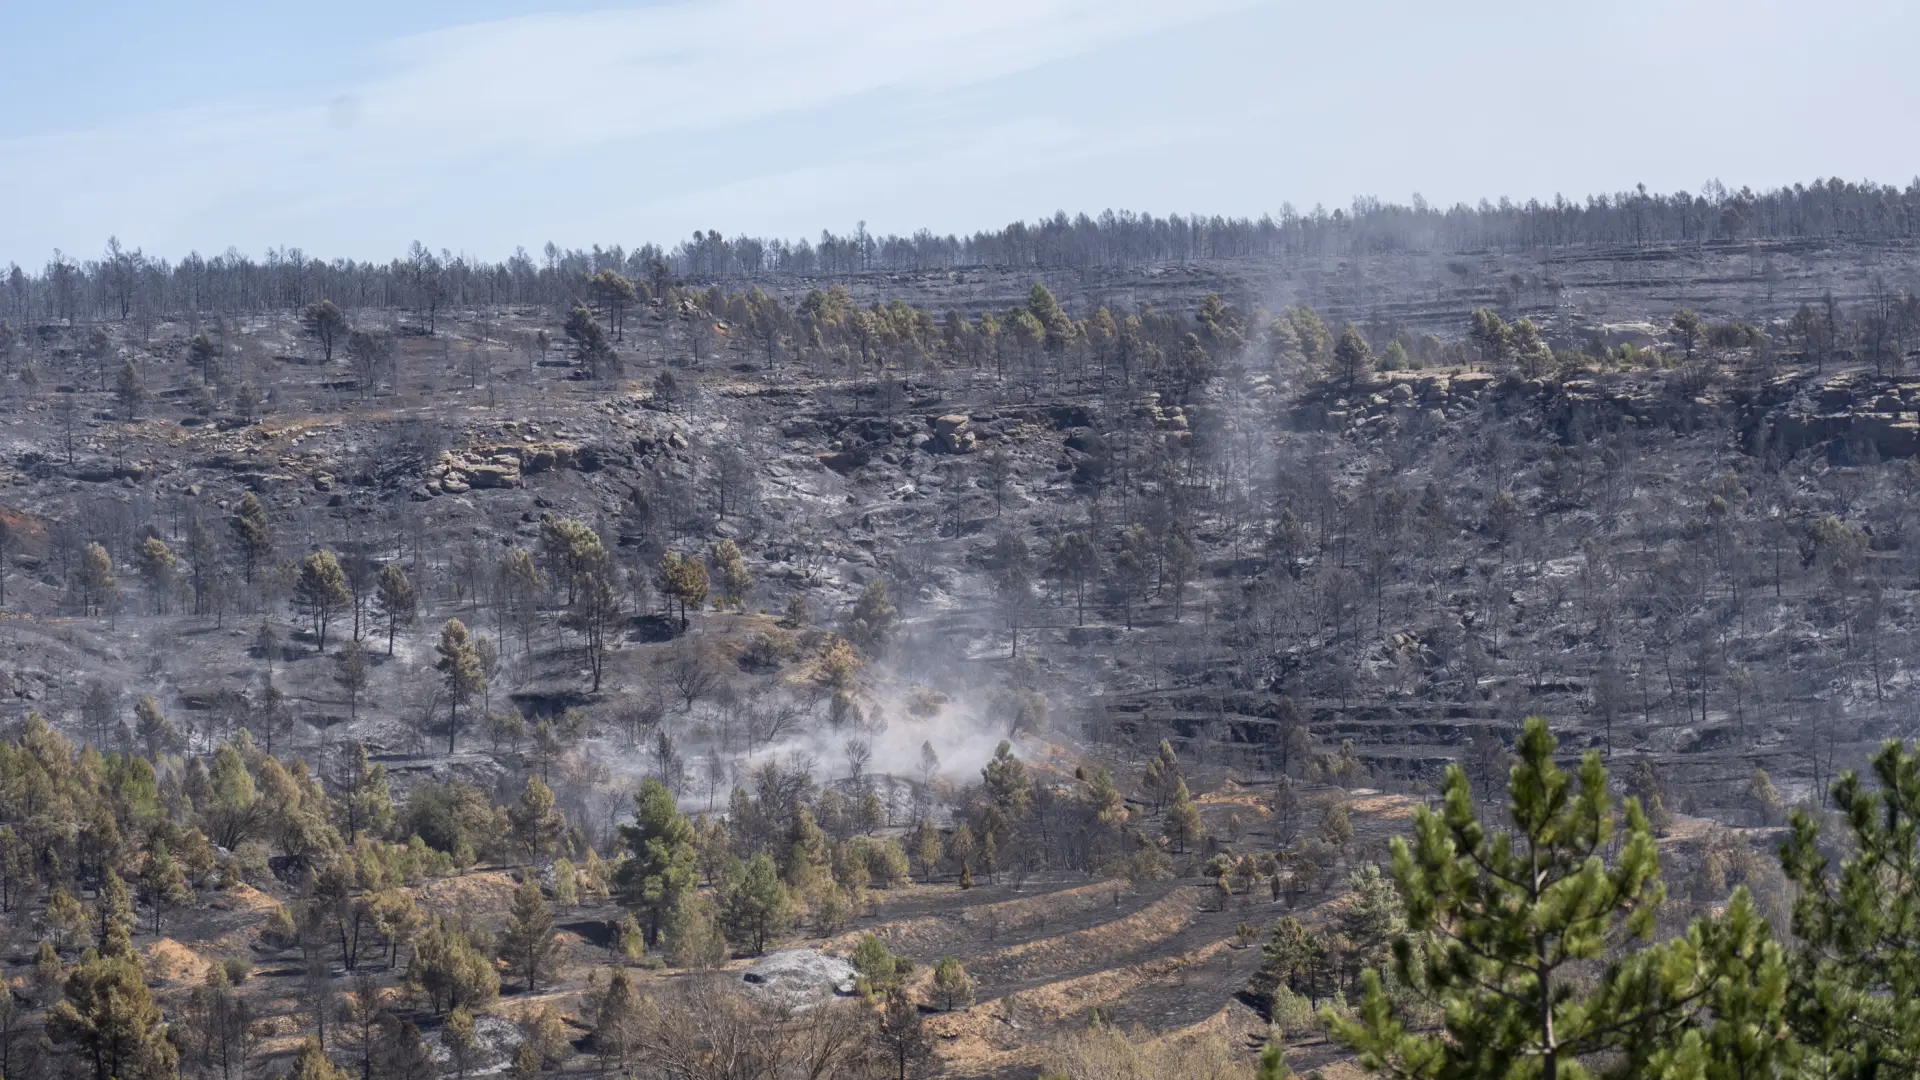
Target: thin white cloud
(773, 117)
(565, 86)
(701, 66)
(915, 179)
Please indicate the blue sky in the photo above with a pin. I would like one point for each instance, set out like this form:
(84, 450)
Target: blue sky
(355, 127)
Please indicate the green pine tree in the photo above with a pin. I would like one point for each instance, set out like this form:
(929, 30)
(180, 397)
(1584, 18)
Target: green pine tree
(879, 970)
(461, 1039)
(366, 804)
(537, 824)
(665, 857)
(1532, 957)
(113, 908)
(528, 946)
(449, 970)
(163, 883)
(633, 940)
(65, 920)
(807, 851)
(1007, 783)
(1856, 979)
(1292, 958)
(755, 906)
(111, 1019)
(693, 937)
(1372, 922)
(1742, 1028)
(1182, 825)
(1273, 1062)
(902, 1035)
(312, 1063)
(617, 1022)
(951, 984)
(48, 971)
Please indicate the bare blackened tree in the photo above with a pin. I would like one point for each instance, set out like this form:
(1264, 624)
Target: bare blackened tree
(371, 352)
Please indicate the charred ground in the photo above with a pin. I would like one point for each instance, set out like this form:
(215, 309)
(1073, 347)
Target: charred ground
(1689, 543)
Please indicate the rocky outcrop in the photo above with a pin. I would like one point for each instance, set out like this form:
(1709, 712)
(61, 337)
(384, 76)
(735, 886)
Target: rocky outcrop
(1855, 413)
(1858, 413)
(503, 466)
(105, 470)
(953, 434)
(846, 461)
(1370, 403)
(798, 978)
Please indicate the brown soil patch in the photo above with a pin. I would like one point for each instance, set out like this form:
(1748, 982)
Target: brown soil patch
(1388, 807)
(982, 1040)
(911, 890)
(167, 960)
(1156, 922)
(1231, 793)
(1073, 997)
(1219, 1024)
(236, 942)
(1247, 803)
(300, 426)
(274, 1046)
(490, 890)
(1234, 1022)
(993, 1036)
(930, 934)
(27, 530)
(244, 897)
(1047, 757)
(1684, 828)
(563, 1001)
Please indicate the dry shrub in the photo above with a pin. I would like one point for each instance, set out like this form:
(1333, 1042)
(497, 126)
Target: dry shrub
(704, 1029)
(1102, 1053)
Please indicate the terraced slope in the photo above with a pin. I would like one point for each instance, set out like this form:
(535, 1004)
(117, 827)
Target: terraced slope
(1160, 958)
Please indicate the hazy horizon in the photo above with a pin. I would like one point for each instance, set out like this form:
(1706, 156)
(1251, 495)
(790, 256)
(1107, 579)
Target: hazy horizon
(482, 127)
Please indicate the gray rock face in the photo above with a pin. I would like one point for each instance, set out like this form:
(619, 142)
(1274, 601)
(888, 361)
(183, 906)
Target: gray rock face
(797, 978)
(954, 434)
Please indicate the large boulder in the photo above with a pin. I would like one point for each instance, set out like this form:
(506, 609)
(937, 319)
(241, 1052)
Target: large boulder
(953, 433)
(846, 461)
(497, 475)
(1470, 383)
(797, 978)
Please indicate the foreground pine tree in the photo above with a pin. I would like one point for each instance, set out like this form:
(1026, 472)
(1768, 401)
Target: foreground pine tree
(1857, 974)
(1538, 961)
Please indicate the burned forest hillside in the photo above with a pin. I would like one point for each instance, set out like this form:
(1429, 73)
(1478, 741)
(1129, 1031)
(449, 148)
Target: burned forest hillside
(889, 658)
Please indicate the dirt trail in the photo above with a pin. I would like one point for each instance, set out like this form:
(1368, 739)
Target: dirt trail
(1162, 962)
(1051, 957)
(1168, 967)
(970, 929)
(1005, 1033)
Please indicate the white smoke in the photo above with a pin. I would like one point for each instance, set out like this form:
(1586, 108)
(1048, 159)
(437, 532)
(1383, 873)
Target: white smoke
(961, 731)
